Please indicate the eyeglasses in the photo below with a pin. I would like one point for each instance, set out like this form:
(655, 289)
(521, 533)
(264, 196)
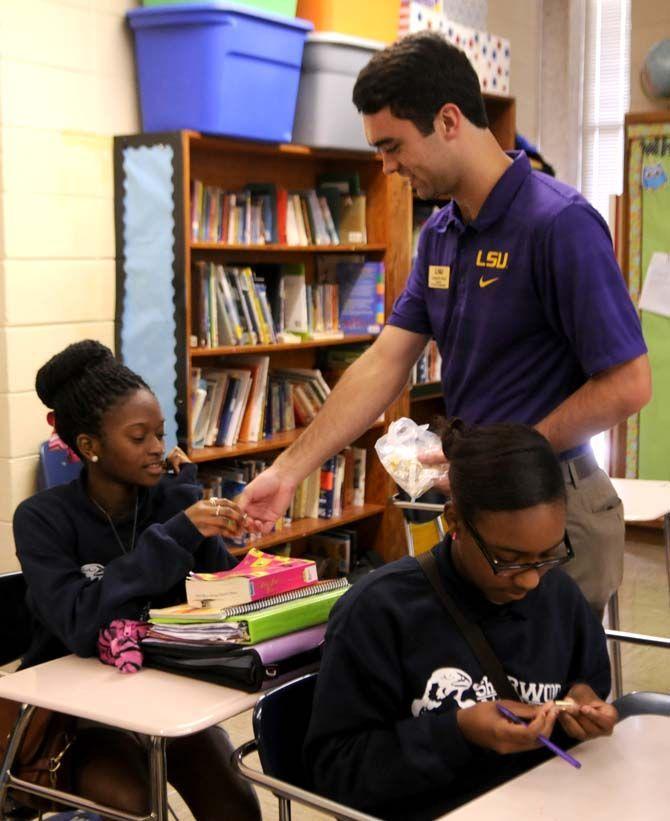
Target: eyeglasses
(564, 553)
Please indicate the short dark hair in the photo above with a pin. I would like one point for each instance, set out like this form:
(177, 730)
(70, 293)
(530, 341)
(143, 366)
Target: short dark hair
(415, 77)
(81, 383)
(500, 467)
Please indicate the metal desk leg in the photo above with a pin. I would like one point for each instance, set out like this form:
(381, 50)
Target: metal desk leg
(613, 619)
(23, 720)
(666, 532)
(159, 804)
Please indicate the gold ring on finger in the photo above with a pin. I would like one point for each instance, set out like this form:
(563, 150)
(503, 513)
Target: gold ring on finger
(218, 510)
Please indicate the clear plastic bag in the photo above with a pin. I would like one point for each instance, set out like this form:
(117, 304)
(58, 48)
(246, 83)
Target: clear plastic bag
(398, 450)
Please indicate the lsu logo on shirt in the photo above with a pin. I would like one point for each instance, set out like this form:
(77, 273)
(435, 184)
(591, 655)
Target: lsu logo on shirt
(493, 259)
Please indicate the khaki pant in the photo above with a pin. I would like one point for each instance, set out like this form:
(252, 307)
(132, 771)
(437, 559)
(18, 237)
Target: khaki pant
(596, 528)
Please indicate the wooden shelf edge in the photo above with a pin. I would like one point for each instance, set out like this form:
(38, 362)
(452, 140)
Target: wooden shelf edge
(352, 339)
(277, 442)
(302, 528)
(291, 249)
(426, 390)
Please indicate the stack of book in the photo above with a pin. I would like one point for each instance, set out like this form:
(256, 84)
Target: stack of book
(246, 627)
(275, 303)
(248, 402)
(261, 214)
(230, 307)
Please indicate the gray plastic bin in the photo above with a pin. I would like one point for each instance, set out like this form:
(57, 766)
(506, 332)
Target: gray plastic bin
(325, 117)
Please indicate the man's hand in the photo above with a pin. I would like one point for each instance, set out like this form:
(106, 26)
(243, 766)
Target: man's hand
(484, 726)
(592, 716)
(435, 458)
(265, 499)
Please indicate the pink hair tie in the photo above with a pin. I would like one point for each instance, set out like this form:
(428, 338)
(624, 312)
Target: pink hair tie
(119, 644)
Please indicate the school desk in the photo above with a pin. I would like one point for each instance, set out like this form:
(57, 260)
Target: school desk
(623, 777)
(154, 703)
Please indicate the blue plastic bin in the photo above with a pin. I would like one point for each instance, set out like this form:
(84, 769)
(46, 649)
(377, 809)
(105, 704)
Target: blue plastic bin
(218, 68)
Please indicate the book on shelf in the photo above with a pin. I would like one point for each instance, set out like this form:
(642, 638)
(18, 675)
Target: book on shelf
(258, 576)
(428, 367)
(264, 213)
(361, 293)
(335, 547)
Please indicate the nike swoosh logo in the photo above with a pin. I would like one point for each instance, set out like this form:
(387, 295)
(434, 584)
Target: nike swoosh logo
(484, 282)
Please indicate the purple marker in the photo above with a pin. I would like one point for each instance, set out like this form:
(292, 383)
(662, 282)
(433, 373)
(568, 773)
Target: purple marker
(542, 739)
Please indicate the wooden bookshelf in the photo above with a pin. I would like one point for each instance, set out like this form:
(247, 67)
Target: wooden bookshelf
(302, 528)
(231, 165)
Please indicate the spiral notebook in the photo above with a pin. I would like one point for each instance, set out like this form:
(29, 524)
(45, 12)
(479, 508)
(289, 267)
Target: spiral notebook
(185, 613)
(291, 595)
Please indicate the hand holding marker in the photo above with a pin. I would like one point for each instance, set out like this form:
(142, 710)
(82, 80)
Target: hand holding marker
(542, 739)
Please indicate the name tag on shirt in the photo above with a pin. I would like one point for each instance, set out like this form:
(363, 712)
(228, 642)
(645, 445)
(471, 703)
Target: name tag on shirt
(438, 276)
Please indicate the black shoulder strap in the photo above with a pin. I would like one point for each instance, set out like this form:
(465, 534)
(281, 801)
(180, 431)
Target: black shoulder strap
(483, 651)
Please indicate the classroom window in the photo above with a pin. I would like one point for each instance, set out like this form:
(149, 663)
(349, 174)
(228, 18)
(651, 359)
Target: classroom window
(606, 98)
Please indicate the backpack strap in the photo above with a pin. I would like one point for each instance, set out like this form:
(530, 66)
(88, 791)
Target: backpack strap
(471, 632)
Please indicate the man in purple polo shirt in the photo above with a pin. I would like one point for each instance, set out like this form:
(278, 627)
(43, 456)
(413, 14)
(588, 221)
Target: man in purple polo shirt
(517, 281)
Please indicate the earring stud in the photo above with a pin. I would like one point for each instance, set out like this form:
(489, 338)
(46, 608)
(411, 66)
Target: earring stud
(94, 458)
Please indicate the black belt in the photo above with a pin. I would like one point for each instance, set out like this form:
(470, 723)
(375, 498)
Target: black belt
(580, 467)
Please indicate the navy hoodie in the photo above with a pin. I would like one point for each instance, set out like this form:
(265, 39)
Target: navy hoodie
(78, 578)
(384, 736)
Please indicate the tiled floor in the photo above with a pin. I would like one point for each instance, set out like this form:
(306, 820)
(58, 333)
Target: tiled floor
(644, 604)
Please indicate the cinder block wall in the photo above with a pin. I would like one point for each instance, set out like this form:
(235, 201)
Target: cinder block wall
(67, 84)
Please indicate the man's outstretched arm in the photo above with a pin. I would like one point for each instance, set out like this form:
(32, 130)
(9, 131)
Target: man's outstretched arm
(362, 394)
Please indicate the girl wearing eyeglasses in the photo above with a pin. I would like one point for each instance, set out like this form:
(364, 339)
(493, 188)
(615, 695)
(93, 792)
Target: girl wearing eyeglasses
(404, 722)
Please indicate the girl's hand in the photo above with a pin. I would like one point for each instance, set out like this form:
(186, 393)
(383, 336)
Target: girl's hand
(216, 517)
(484, 726)
(591, 717)
(176, 458)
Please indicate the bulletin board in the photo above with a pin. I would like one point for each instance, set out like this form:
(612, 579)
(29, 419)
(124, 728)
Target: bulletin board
(646, 231)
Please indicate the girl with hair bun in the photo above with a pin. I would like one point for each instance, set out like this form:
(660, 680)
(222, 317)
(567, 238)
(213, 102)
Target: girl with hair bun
(120, 537)
(404, 723)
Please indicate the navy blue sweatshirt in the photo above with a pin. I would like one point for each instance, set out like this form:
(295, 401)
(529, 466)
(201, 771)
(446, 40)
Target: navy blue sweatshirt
(77, 575)
(384, 736)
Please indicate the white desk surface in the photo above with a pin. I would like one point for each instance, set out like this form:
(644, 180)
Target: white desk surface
(644, 500)
(150, 702)
(623, 777)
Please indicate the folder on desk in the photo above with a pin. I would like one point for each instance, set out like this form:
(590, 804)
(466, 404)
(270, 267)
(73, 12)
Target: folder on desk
(286, 618)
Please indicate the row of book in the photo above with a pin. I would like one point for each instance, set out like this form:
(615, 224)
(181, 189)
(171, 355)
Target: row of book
(248, 402)
(428, 367)
(264, 213)
(241, 306)
(339, 483)
(248, 626)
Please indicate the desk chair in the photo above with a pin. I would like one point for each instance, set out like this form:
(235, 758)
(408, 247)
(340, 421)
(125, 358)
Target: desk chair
(423, 521)
(643, 703)
(14, 641)
(643, 501)
(54, 468)
(280, 722)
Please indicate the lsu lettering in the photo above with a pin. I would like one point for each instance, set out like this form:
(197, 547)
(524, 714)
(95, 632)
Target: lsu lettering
(493, 259)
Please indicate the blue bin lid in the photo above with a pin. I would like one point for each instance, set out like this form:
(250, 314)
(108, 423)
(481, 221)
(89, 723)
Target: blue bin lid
(179, 15)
